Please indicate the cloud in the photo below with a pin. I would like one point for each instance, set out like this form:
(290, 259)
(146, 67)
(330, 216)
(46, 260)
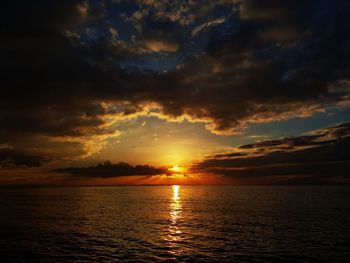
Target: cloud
(11, 158)
(107, 170)
(56, 14)
(160, 45)
(69, 90)
(175, 11)
(319, 156)
(208, 24)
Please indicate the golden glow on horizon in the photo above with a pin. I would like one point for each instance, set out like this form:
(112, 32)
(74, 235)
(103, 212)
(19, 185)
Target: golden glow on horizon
(175, 168)
(176, 158)
(177, 172)
(159, 144)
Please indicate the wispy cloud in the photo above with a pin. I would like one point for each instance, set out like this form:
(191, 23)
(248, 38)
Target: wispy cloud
(208, 24)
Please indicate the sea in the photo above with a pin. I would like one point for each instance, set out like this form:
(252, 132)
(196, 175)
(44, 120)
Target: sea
(175, 224)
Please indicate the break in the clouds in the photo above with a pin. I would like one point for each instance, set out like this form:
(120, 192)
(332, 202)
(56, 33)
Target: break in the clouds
(321, 156)
(70, 70)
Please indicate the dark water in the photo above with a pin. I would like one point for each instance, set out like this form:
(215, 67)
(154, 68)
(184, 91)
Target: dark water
(196, 224)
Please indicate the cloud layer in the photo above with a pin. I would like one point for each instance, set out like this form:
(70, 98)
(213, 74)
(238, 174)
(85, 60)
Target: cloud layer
(108, 169)
(321, 156)
(69, 72)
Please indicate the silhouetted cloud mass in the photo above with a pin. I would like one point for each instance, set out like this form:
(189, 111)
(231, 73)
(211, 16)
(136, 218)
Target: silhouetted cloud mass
(316, 157)
(107, 169)
(12, 158)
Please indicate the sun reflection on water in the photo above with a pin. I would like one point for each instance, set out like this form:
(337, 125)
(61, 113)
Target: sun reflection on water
(173, 236)
(176, 193)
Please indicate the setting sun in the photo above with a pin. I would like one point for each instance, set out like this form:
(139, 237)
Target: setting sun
(175, 131)
(175, 168)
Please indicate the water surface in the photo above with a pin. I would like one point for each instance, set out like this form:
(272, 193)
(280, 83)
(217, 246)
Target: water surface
(175, 223)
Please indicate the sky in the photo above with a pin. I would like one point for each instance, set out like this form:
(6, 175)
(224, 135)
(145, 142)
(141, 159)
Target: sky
(117, 92)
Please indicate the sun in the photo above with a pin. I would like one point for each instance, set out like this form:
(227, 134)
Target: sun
(177, 171)
(175, 168)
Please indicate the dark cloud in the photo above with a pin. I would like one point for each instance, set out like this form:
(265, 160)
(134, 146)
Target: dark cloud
(25, 19)
(108, 169)
(11, 158)
(323, 155)
(289, 59)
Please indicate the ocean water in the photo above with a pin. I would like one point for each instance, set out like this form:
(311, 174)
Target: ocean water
(175, 223)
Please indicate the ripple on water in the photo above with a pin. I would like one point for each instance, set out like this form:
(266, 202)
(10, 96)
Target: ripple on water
(155, 224)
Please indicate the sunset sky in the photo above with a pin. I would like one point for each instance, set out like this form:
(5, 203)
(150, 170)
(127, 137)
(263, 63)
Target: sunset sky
(174, 92)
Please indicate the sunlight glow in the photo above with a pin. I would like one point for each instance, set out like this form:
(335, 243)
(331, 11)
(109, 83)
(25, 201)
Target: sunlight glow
(174, 234)
(177, 171)
(175, 168)
(176, 196)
